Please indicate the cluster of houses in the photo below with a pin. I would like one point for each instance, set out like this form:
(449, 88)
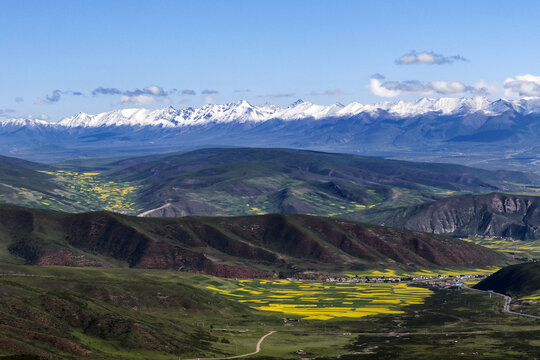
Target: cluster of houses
(365, 279)
(451, 279)
(456, 281)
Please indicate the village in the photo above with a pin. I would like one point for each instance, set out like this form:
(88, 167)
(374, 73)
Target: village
(441, 281)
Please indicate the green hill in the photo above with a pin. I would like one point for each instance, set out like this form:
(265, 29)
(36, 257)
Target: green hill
(21, 182)
(516, 280)
(244, 181)
(110, 313)
(44, 186)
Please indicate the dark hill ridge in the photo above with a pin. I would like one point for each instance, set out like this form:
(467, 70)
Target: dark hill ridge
(223, 181)
(512, 216)
(515, 280)
(253, 246)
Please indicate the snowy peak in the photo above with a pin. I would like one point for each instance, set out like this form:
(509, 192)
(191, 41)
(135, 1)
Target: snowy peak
(442, 106)
(29, 123)
(243, 112)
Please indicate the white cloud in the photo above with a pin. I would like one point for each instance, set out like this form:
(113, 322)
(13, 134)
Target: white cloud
(522, 85)
(155, 90)
(447, 87)
(209, 99)
(143, 100)
(427, 57)
(377, 88)
(396, 88)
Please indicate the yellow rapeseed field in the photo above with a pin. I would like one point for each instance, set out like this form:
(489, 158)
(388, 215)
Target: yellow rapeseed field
(509, 246)
(391, 273)
(322, 300)
(96, 192)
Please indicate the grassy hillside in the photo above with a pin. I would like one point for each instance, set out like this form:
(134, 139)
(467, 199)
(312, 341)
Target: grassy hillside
(516, 280)
(22, 183)
(244, 181)
(252, 246)
(108, 313)
(43, 186)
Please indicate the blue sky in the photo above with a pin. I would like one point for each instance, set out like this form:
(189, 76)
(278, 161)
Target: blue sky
(57, 55)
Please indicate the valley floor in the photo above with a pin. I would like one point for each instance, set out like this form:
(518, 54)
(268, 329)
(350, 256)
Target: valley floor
(147, 314)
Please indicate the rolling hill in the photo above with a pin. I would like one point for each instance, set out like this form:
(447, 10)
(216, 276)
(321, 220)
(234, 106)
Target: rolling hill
(27, 183)
(18, 173)
(247, 181)
(515, 280)
(243, 181)
(495, 214)
(253, 246)
(39, 185)
(61, 313)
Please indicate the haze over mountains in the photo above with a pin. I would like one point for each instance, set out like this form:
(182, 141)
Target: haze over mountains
(492, 134)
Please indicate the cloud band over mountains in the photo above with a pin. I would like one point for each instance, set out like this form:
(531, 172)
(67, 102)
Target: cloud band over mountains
(152, 94)
(397, 88)
(522, 85)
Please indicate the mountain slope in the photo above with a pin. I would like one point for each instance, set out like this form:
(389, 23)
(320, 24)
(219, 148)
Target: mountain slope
(256, 246)
(60, 313)
(17, 172)
(515, 280)
(24, 182)
(44, 186)
(511, 216)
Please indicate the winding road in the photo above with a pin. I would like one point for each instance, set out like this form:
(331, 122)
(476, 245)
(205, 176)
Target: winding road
(507, 301)
(257, 350)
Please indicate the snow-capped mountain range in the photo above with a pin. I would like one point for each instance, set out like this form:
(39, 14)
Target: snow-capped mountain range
(242, 112)
(472, 131)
